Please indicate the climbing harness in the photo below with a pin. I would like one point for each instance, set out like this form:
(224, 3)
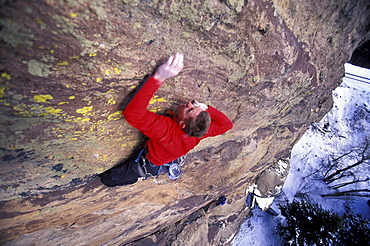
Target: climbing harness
(142, 163)
(172, 168)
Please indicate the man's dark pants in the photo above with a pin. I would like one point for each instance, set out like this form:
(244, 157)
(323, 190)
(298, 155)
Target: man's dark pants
(128, 173)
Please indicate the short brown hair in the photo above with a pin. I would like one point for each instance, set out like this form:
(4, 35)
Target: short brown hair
(198, 127)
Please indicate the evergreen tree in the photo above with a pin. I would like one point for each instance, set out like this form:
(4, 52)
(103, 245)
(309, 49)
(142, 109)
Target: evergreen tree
(354, 230)
(308, 224)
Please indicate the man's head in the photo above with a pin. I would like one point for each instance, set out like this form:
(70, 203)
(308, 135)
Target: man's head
(193, 119)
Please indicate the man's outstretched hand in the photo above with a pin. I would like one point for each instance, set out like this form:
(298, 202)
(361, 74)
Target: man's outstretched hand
(171, 68)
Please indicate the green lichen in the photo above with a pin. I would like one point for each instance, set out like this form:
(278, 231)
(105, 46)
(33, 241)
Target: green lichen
(38, 68)
(17, 97)
(66, 23)
(238, 59)
(146, 37)
(202, 15)
(186, 35)
(13, 33)
(75, 3)
(67, 27)
(99, 9)
(236, 4)
(87, 44)
(133, 3)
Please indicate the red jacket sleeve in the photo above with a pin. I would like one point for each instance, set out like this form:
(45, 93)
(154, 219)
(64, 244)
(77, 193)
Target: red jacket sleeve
(150, 124)
(220, 123)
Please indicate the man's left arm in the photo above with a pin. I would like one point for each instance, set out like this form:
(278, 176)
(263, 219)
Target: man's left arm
(220, 123)
(136, 113)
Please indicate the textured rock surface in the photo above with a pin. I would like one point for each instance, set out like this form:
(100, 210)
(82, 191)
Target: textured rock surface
(68, 67)
(270, 181)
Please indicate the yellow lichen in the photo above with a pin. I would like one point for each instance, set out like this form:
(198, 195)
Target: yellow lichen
(40, 22)
(51, 110)
(63, 63)
(154, 110)
(85, 110)
(20, 107)
(157, 99)
(38, 110)
(6, 76)
(81, 120)
(115, 116)
(98, 80)
(73, 15)
(2, 91)
(42, 98)
(111, 101)
(117, 70)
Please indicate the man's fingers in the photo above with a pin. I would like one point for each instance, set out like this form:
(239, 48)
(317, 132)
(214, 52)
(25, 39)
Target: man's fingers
(169, 61)
(181, 60)
(171, 68)
(178, 62)
(175, 61)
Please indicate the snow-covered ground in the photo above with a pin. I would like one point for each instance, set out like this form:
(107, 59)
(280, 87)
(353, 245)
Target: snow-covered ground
(344, 131)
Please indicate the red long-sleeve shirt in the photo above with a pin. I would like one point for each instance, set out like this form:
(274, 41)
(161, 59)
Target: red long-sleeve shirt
(167, 141)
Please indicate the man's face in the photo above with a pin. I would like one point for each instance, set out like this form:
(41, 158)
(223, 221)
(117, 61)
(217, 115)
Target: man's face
(187, 111)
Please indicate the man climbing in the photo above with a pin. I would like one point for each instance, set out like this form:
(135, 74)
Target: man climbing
(170, 138)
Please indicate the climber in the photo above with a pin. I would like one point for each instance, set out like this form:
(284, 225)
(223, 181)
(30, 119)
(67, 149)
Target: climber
(170, 138)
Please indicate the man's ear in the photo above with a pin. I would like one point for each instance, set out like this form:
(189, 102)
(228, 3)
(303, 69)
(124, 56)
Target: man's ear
(182, 124)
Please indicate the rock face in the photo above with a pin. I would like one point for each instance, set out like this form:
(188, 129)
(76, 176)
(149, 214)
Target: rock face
(68, 68)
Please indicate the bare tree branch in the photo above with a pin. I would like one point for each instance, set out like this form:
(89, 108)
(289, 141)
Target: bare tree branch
(348, 183)
(344, 169)
(349, 193)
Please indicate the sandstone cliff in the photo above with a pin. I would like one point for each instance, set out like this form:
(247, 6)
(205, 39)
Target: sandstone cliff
(68, 67)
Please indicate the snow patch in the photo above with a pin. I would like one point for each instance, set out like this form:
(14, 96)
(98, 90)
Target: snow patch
(341, 131)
